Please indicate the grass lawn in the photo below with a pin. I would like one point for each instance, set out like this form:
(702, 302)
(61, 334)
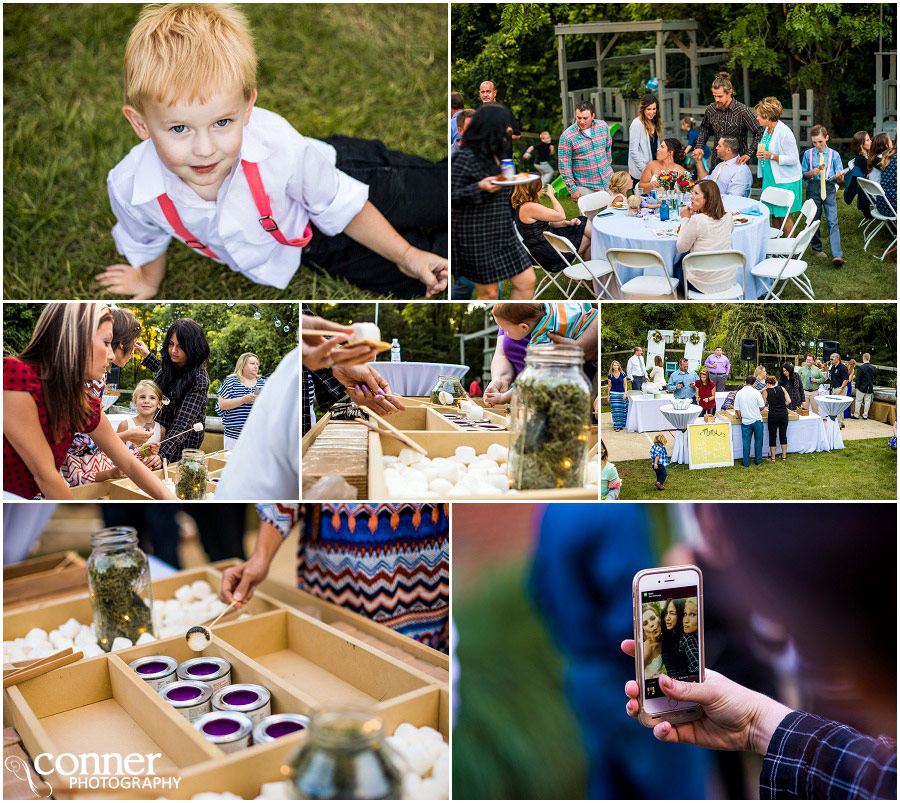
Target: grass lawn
(514, 735)
(864, 275)
(364, 70)
(864, 469)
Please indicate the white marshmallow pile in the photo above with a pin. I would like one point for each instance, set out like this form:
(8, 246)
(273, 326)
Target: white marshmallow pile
(193, 604)
(591, 473)
(40, 644)
(424, 759)
(413, 476)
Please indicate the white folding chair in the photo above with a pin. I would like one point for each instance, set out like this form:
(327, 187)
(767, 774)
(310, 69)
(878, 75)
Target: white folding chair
(789, 268)
(777, 197)
(642, 286)
(579, 271)
(549, 276)
(704, 261)
(594, 202)
(873, 191)
(781, 246)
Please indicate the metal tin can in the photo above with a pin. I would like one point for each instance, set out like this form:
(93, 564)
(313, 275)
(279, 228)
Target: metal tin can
(278, 725)
(507, 168)
(246, 698)
(229, 730)
(207, 669)
(156, 670)
(190, 698)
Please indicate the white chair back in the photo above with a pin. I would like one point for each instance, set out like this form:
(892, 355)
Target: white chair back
(807, 212)
(874, 190)
(562, 246)
(639, 259)
(715, 260)
(803, 241)
(777, 196)
(594, 202)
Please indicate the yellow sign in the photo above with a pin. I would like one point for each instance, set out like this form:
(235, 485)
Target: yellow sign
(709, 445)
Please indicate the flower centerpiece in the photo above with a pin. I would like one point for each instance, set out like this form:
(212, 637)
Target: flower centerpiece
(685, 181)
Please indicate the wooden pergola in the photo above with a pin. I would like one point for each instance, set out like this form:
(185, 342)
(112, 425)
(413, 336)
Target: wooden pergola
(673, 101)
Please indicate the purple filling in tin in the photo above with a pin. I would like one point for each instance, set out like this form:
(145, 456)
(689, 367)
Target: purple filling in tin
(183, 693)
(152, 668)
(220, 727)
(204, 669)
(278, 729)
(240, 697)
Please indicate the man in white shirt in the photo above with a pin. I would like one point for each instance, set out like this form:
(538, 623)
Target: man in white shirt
(265, 464)
(636, 369)
(732, 176)
(748, 401)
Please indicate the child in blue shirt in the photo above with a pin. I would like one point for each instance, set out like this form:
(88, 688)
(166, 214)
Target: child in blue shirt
(539, 319)
(659, 459)
(822, 168)
(241, 186)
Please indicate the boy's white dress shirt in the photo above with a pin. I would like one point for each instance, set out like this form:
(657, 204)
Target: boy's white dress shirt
(299, 177)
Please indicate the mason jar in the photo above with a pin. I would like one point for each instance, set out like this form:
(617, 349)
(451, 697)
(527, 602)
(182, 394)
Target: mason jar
(192, 474)
(450, 385)
(550, 419)
(345, 758)
(119, 585)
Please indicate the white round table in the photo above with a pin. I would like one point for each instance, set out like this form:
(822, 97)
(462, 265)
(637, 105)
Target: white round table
(680, 419)
(831, 407)
(623, 230)
(416, 378)
(644, 412)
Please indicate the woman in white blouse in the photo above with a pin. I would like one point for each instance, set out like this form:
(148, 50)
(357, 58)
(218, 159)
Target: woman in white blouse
(707, 226)
(643, 137)
(779, 161)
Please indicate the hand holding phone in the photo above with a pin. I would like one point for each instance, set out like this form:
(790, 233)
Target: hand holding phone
(668, 635)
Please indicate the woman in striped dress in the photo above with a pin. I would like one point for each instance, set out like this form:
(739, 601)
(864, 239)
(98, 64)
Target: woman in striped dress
(618, 400)
(387, 562)
(237, 394)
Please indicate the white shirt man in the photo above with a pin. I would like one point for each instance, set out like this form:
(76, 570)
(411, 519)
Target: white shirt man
(748, 401)
(636, 369)
(732, 176)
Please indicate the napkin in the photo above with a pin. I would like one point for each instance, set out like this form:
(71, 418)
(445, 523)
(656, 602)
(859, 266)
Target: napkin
(750, 210)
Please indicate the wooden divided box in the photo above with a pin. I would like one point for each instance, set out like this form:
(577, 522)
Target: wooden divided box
(43, 578)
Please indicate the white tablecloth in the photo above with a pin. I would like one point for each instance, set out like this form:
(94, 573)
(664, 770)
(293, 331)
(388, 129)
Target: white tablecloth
(833, 408)
(805, 435)
(417, 378)
(623, 230)
(116, 418)
(644, 412)
(680, 419)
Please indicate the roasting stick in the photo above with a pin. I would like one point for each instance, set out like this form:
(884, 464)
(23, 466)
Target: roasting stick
(397, 433)
(48, 664)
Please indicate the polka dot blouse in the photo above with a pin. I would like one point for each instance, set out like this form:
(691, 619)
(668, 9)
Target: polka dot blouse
(23, 377)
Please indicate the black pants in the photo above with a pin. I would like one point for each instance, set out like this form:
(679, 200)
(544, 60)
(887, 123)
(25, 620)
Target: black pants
(156, 526)
(221, 529)
(411, 192)
(778, 425)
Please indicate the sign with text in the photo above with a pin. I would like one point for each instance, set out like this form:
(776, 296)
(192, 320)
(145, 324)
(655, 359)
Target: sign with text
(709, 445)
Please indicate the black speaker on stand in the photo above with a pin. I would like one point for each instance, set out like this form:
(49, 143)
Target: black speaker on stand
(749, 351)
(828, 348)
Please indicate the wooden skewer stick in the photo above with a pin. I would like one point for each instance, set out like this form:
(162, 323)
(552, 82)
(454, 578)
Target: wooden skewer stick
(399, 435)
(230, 606)
(320, 333)
(165, 469)
(375, 428)
(179, 434)
(42, 667)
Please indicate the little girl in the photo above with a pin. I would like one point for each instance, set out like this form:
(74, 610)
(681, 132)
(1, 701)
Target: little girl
(687, 125)
(610, 484)
(659, 458)
(619, 184)
(147, 399)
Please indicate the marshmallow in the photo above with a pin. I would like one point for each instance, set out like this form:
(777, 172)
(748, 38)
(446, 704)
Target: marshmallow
(474, 413)
(387, 460)
(365, 331)
(418, 757)
(276, 790)
(408, 456)
(198, 427)
(184, 594)
(121, 643)
(145, 638)
(83, 640)
(201, 589)
(466, 454)
(440, 486)
(497, 482)
(92, 650)
(407, 733)
(497, 452)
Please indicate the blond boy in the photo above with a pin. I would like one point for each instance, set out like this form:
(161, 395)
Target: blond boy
(234, 182)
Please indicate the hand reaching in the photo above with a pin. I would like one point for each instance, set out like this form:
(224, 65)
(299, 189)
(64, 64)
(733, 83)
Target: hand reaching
(367, 388)
(428, 268)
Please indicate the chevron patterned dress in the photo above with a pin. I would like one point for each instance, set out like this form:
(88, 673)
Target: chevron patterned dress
(388, 562)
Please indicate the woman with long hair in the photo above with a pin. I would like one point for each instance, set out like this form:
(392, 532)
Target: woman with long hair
(779, 161)
(533, 219)
(706, 392)
(707, 227)
(673, 614)
(689, 643)
(791, 382)
(618, 397)
(643, 136)
(880, 146)
(657, 372)
(181, 374)
(237, 394)
(485, 247)
(669, 156)
(778, 400)
(651, 623)
(47, 398)
(759, 374)
(860, 147)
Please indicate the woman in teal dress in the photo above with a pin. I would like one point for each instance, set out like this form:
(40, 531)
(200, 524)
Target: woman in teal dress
(779, 161)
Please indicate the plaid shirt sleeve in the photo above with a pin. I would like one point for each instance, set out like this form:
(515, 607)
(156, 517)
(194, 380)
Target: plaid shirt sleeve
(464, 189)
(811, 758)
(705, 131)
(564, 161)
(191, 410)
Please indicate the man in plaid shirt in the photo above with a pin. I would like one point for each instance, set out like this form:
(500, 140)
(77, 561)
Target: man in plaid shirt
(584, 158)
(805, 757)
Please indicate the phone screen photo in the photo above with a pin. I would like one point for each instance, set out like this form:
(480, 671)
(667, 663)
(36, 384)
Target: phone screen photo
(670, 639)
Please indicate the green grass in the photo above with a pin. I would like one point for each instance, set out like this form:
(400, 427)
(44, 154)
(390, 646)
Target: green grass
(863, 274)
(864, 469)
(514, 736)
(368, 70)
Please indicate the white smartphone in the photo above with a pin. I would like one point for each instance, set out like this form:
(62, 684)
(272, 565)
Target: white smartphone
(668, 637)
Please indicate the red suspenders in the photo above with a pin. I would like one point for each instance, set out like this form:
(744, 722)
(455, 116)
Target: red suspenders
(260, 199)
